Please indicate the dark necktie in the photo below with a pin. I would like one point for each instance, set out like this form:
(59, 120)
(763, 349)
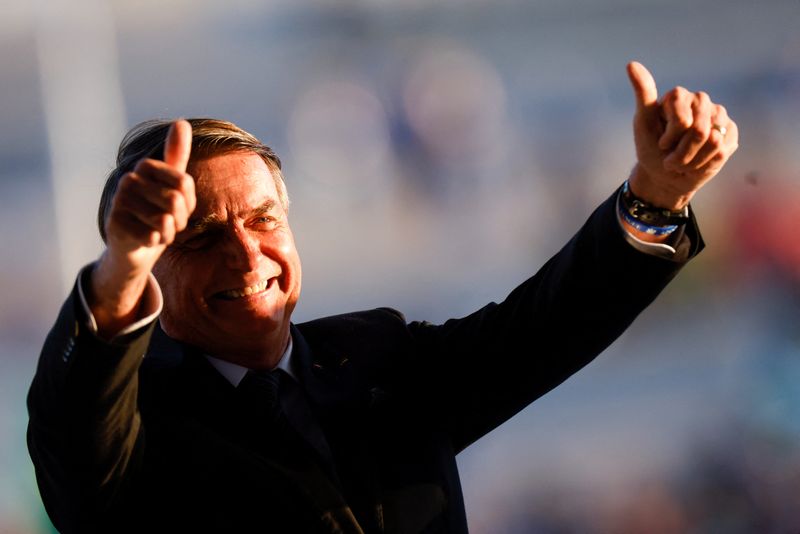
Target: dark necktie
(280, 409)
(261, 392)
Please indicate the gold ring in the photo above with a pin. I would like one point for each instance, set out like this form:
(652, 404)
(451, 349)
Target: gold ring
(720, 128)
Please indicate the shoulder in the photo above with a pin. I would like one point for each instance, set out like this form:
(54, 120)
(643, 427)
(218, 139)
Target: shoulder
(367, 338)
(358, 321)
(378, 327)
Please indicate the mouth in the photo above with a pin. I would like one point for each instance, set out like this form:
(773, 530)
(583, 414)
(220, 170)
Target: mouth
(239, 293)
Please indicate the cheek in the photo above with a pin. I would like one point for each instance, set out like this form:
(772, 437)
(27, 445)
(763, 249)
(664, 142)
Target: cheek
(288, 251)
(181, 281)
(293, 262)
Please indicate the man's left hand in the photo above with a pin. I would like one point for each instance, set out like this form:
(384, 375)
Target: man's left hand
(682, 141)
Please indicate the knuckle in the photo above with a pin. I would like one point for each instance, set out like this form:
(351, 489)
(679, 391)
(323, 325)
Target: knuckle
(187, 186)
(716, 141)
(684, 122)
(173, 199)
(672, 97)
(163, 222)
(168, 233)
(698, 132)
(127, 181)
(122, 200)
(189, 192)
(144, 165)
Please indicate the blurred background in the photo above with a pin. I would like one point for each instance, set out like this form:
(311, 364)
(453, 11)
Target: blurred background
(437, 153)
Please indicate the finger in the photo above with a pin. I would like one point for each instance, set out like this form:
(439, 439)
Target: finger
(189, 195)
(719, 158)
(732, 137)
(678, 114)
(644, 85)
(714, 164)
(696, 136)
(127, 226)
(168, 230)
(150, 202)
(140, 227)
(178, 145)
(167, 199)
(156, 229)
(160, 172)
(717, 141)
(142, 210)
(721, 120)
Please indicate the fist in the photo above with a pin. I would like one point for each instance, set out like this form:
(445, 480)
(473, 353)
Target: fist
(153, 202)
(682, 141)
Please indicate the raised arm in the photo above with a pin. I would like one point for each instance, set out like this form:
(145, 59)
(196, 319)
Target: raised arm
(152, 204)
(85, 431)
(682, 141)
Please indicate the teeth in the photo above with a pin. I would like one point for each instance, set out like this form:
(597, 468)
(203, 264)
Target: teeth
(238, 293)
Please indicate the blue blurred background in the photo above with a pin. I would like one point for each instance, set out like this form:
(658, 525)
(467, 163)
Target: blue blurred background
(437, 153)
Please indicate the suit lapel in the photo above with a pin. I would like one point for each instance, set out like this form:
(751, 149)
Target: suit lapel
(208, 405)
(341, 400)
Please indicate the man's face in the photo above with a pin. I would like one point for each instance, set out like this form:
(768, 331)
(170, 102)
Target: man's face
(232, 278)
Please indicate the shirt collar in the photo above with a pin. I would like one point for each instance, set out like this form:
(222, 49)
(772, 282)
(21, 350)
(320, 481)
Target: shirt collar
(234, 373)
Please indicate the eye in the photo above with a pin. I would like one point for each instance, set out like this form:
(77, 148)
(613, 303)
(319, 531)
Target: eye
(197, 241)
(264, 220)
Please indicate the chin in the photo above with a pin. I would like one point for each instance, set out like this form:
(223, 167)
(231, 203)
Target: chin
(250, 327)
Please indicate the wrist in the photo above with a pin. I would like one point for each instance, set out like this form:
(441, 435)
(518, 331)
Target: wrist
(657, 195)
(646, 222)
(640, 213)
(115, 292)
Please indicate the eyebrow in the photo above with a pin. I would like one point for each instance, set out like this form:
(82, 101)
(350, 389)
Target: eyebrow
(198, 226)
(266, 207)
(213, 221)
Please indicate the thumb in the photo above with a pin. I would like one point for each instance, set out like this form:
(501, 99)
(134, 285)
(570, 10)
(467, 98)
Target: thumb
(644, 86)
(178, 145)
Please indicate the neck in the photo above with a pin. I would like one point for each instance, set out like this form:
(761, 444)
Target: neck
(261, 358)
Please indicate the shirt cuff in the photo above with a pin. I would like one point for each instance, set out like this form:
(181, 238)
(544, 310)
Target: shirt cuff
(662, 250)
(150, 309)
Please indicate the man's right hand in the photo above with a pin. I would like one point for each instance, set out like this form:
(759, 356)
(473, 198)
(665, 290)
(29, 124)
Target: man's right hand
(152, 204)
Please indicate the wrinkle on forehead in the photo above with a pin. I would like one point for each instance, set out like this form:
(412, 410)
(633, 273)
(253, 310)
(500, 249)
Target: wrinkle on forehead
(238, 184)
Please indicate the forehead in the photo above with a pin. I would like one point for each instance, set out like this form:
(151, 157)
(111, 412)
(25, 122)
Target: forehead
(232, 182)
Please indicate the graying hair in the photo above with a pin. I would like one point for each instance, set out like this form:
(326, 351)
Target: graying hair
(210, 137)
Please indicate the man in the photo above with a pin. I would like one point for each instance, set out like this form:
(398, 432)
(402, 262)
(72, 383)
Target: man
(224, 416)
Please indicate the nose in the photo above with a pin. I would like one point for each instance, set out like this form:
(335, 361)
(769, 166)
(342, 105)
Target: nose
(242, 250)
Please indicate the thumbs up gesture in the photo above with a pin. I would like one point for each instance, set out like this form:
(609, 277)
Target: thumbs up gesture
(152, 204)
(153, 201)
(682, 141)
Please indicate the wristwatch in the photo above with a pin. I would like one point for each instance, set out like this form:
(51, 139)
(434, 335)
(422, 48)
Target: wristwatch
(648, 214)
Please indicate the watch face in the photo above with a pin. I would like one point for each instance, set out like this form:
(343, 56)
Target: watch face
(650, 215)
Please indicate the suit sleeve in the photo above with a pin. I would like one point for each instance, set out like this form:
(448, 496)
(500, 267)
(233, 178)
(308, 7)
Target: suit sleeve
(486, 367)
(84, 432)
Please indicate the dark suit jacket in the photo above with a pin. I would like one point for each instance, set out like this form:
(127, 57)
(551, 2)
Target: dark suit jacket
(123, 443)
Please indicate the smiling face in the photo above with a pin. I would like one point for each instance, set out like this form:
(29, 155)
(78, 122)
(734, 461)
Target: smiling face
(232, 278)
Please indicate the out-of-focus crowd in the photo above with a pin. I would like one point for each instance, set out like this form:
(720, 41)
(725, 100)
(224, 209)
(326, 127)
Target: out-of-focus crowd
(436, 155)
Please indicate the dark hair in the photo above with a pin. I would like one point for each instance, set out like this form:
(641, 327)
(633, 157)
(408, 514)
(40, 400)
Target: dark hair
(210, 137)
